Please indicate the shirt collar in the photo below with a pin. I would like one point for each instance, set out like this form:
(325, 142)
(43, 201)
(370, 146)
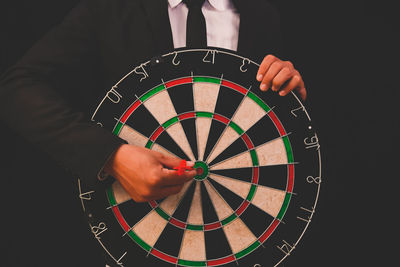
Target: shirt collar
(174, 3)
(220, 5)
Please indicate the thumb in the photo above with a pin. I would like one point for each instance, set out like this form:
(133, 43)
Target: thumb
(171, 162)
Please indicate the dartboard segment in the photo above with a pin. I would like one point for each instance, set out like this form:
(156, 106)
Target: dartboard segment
(182, 97)
(133, 137)
(161, 107)
(226, 95)
(171, 203)
(196, 212)
(193, 248)
(257, 154)
(269, 200)
(247, 114)
(274, 152)
(205, 96)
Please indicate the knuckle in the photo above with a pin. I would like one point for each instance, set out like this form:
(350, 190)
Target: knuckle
(269, 57)
(289, 63)
(267, 81)
(161, 156)
(276, 83)
(277, 64)
(296, 78)
(287, 70)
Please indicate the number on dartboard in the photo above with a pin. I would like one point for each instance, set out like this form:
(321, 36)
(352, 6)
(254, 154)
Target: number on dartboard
(240, 208)
(310, 179)
(97, 230)
(312, 142)
(295, 110)
(242, 67)
(210, 56)
(309, 213)
(286, 248)
(174, 61)
(141, 71)
(113, 95)
(86, 195)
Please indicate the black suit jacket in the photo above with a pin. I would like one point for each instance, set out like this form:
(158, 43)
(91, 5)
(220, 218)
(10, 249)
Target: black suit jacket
(49, 95)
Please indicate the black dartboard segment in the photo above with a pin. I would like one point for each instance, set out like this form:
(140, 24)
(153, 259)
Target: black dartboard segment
(259, 153)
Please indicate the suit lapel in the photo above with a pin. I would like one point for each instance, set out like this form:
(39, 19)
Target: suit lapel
(246, 39)
(158, 19)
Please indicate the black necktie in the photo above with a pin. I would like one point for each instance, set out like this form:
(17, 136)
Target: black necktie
(196, 33)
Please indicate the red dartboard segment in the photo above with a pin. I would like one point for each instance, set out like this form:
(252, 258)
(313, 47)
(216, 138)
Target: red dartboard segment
(178, 82)
(153, 204)
(256, 175)
(157, 133)
(131, 109)
(221, 261)
(221, 118)
(187, 115)
(212, 226)
(242, 207)
(177, 223)
(290, 178)
(234, 86)
(247, 140)
(121, 219)
(164, 256)
(269, 231)
(277, 123)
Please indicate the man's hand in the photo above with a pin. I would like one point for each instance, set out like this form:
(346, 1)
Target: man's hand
(145, 174)
(280, 76)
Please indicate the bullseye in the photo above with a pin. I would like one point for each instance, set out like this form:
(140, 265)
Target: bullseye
(199, 171)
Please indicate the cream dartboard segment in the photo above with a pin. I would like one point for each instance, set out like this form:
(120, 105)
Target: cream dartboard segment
(257, 155)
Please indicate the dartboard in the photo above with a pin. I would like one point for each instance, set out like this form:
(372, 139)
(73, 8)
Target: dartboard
(257, 156)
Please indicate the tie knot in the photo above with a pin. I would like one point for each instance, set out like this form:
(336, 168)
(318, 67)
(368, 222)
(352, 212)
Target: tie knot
(194, 3)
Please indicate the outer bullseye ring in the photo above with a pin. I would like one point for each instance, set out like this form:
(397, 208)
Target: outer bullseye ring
(202, 170)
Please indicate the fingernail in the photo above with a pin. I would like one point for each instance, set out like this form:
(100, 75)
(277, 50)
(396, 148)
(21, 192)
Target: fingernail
(263, 87)
(281, 93)
(190, 163)
(259, 77)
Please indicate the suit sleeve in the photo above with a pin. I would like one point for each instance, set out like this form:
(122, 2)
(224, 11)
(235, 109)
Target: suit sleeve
(33, 98)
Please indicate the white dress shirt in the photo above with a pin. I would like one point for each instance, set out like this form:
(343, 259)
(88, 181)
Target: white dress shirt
(222, 23)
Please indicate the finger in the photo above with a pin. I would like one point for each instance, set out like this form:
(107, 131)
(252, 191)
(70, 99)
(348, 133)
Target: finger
(270, 75)
(264, 66)
(294, 82)
(302, 92)
(284, 75)
(169, 162)
(171, 177)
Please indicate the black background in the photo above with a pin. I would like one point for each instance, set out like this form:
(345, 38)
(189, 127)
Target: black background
(347, 54)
